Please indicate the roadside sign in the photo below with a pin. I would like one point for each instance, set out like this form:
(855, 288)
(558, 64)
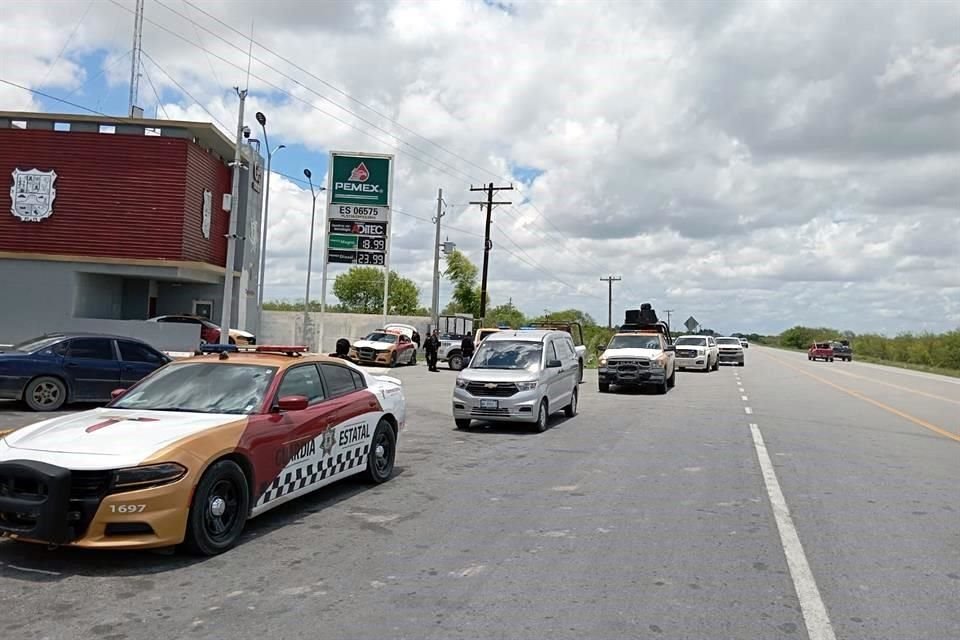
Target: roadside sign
(360, 179)
(357, 212)
(342, 241)
(691, 324)
(358, 228)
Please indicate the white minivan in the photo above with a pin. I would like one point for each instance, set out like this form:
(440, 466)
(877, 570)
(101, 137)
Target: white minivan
(519, 376)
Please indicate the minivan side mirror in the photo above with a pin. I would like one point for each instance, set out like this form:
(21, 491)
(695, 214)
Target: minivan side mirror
(554, 364)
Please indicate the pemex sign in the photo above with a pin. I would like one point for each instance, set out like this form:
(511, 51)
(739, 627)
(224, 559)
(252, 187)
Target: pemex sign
(360, 179)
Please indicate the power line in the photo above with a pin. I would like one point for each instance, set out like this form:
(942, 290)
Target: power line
(67, 43)
(207, 55)
(184, 91)
(250, 56)
(344, 93)
(50, 97)
(108, 65)
(156, 93)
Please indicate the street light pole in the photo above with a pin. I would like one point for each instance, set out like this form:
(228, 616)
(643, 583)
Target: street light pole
(226, 310)
(265, 219)
(313, 220)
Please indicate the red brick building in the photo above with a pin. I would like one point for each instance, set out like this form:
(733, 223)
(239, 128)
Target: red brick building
(120, 219)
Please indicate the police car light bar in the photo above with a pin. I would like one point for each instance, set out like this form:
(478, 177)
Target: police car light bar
(218, 348)
(289, 350)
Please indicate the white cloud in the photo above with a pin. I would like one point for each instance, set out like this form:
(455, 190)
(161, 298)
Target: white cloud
(753, 164)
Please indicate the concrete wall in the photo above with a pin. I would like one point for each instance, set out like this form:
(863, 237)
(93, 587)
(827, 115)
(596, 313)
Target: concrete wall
(286, 327)
(178, 298)
(33, 296)
(165, 337)
(98, 296)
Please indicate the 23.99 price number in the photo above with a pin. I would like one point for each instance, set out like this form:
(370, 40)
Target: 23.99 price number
(370, 258)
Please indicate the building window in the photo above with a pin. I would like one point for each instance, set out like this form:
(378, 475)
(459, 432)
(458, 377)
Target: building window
(107, 128)
(152, 131)
(18, 124)
(61, 126)
(203, 308)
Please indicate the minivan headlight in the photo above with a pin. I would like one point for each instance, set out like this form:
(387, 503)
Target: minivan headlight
(462, 384)
(526, 386)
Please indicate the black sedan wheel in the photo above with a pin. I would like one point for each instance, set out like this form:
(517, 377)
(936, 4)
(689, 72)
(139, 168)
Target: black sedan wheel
(219, 511)
(383, 452)
(45, 394)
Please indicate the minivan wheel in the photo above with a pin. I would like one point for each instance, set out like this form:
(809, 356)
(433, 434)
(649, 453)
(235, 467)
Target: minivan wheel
(543, 417)
(571, 409)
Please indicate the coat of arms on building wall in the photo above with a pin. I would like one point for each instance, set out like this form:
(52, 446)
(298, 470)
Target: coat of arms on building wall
(207, 213)
(32, 194)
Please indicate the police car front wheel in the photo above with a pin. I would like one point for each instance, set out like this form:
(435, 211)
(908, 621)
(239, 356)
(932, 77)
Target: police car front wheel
(219, 510)
(383, 451)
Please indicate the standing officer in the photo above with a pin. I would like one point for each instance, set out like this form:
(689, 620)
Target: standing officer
(467, 349)
(432, 346)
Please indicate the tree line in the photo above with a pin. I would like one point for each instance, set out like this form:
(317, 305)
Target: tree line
(941, 351)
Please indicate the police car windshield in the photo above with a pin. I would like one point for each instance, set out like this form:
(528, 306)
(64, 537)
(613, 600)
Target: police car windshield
(508, 354)
(202, 387)
(634, 342)
(693, 340)
(382, 337)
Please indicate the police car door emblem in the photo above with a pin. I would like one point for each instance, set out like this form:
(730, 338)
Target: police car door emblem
(327, 442)
(32, 194)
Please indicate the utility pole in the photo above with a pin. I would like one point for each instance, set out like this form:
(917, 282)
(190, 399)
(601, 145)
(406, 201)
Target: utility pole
(668, 312)
(135, 58)
(487, 244)
(435, 305)
(225, 313)
(610, 280)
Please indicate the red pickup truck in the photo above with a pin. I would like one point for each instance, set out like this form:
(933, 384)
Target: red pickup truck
(820, 351)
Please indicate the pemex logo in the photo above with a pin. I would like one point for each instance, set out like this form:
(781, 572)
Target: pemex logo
(360, 173)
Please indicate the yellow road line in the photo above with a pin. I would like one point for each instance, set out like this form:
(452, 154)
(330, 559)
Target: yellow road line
(897, 386)
(876, 403)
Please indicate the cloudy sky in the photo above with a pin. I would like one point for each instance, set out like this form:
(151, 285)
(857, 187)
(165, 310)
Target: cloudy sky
(755, 164)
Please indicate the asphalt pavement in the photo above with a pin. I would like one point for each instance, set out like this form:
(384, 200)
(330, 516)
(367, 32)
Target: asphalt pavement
(783, 499)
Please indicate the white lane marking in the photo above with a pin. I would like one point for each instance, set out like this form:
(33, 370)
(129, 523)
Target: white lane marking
(29, 570)
(748, 410)
(740, 389)
(744, 398)
(811, 604)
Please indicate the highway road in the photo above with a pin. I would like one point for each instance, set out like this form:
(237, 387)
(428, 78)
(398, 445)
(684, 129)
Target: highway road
(784, 499)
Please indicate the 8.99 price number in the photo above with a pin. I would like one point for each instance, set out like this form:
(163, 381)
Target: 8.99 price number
(372, 244)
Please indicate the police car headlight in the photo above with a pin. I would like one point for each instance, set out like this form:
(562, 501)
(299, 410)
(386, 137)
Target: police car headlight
(526, 386)
(462, 384)
(147, 476)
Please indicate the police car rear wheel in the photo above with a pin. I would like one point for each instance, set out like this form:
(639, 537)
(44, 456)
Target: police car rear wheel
(219, 510)
(383, 451)
(455, 362)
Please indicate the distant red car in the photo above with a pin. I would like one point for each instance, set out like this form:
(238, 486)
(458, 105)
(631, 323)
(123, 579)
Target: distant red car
(820, 351)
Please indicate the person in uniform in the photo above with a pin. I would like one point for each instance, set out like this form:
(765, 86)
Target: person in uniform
(467, 349)
(432, 347)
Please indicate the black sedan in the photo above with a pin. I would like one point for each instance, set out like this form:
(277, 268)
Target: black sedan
(52, 370)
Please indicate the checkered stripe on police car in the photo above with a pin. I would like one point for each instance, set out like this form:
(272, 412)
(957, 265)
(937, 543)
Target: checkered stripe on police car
(312, 473)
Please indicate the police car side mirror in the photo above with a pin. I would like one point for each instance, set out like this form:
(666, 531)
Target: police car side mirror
(293, 403)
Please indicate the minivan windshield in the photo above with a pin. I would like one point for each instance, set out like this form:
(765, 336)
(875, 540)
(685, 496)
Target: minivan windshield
(508, 354)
